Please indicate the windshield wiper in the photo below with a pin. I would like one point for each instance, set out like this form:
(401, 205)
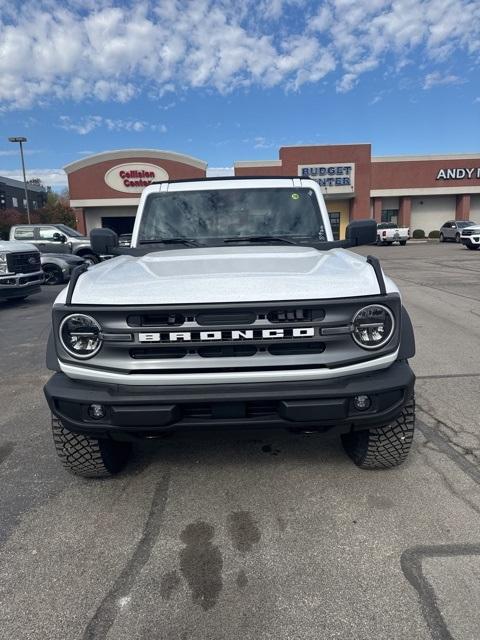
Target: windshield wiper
(259, 239)
(189, 243)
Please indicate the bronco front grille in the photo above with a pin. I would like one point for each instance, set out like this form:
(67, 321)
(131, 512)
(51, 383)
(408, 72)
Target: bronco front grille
(216, 338)
(23, 262)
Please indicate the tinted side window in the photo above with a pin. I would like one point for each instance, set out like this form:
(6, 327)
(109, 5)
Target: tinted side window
(24, 233)
(447, 225)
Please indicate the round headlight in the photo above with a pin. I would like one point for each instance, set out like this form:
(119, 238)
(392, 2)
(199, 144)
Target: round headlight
(373, 326)
(80, 335)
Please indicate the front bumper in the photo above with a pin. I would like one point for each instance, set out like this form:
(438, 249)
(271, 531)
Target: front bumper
(20, 284)
(142, 411)
(471, 241)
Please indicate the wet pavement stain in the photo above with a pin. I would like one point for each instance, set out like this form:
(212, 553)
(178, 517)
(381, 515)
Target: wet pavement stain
(5, 450)
(380, 502)
(201, 564)
(169, 583)
(282, 523)
(242, 579)
(267, 448)
(243, 530)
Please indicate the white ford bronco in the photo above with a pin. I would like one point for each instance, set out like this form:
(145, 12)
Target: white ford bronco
(233, 307)
(20, 270)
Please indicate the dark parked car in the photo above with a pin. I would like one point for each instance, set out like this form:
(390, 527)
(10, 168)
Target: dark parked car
(452, 230)
(58, 267)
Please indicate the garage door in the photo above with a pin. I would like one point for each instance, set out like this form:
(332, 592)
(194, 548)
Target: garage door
(431, 212)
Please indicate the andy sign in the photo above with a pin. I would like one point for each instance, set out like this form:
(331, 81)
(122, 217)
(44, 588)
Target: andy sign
(459, 173)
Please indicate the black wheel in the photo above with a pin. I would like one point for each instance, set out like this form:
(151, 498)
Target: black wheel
(457, 237)
(53, 274)
(88, 457)
(441, 237)
(403, 242)
(385, 447)
(473, 247)
(90, 258)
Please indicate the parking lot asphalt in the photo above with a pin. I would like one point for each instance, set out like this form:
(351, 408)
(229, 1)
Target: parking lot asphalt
(253, 535)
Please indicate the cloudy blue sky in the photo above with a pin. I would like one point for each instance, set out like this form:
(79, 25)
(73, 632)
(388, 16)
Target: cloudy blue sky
(228, 80)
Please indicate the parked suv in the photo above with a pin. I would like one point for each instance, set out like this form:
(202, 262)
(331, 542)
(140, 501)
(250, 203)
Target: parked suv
(452, 230)
(233, 307)
(55, 238)
(20, 270)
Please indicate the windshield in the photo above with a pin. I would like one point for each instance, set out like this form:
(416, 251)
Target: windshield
(69, 231)
(227, 213)
(467, 223)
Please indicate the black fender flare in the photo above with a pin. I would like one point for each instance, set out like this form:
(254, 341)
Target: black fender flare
(52, 360)
(407, 337)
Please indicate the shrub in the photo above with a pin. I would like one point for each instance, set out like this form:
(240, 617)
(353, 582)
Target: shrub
(51, 213)
(9, 218)
(434, 234)
(418, 233)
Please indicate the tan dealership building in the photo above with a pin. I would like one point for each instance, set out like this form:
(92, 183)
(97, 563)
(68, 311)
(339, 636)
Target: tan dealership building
(419, 192)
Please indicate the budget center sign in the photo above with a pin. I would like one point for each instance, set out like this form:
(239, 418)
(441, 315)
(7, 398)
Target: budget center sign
(333, 178)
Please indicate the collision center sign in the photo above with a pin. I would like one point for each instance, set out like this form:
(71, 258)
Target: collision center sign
(332, 178)
(133, 177)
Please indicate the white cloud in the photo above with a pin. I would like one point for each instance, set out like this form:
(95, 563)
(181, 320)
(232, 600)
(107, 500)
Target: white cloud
(15, 152)
(55, 178)
(436, 78)
(111, 51)
(87, 124)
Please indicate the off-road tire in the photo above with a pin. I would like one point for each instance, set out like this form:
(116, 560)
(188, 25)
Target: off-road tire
(457, 238)
(403, 242)
(90, 258)
(473, 247)
(386, 447)
(441, 238)
(88, 457)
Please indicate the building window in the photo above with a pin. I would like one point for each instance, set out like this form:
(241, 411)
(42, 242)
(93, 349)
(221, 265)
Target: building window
(14, 202)
(35, 206)
(390, 215)
(335, 223)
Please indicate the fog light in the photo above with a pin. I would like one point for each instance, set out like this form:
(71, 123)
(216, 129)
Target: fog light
(362, 403)
(96, 411)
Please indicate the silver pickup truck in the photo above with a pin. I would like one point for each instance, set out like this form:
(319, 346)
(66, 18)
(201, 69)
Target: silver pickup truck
(20, 270)
(233, 307)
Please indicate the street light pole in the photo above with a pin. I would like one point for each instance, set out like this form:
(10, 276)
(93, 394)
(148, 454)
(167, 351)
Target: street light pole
(21, 140)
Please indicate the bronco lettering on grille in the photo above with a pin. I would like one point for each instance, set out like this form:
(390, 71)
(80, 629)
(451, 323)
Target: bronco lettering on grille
(239, 334)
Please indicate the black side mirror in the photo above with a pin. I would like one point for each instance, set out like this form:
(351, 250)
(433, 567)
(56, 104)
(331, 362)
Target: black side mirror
(104, 242)
(59, 237)
(361, 232)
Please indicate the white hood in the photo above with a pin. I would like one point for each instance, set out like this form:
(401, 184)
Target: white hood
(14, 247)
(230, 274)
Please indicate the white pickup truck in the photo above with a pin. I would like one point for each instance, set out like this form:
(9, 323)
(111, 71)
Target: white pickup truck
(233, 307)
(389, 232)
(20, 270)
